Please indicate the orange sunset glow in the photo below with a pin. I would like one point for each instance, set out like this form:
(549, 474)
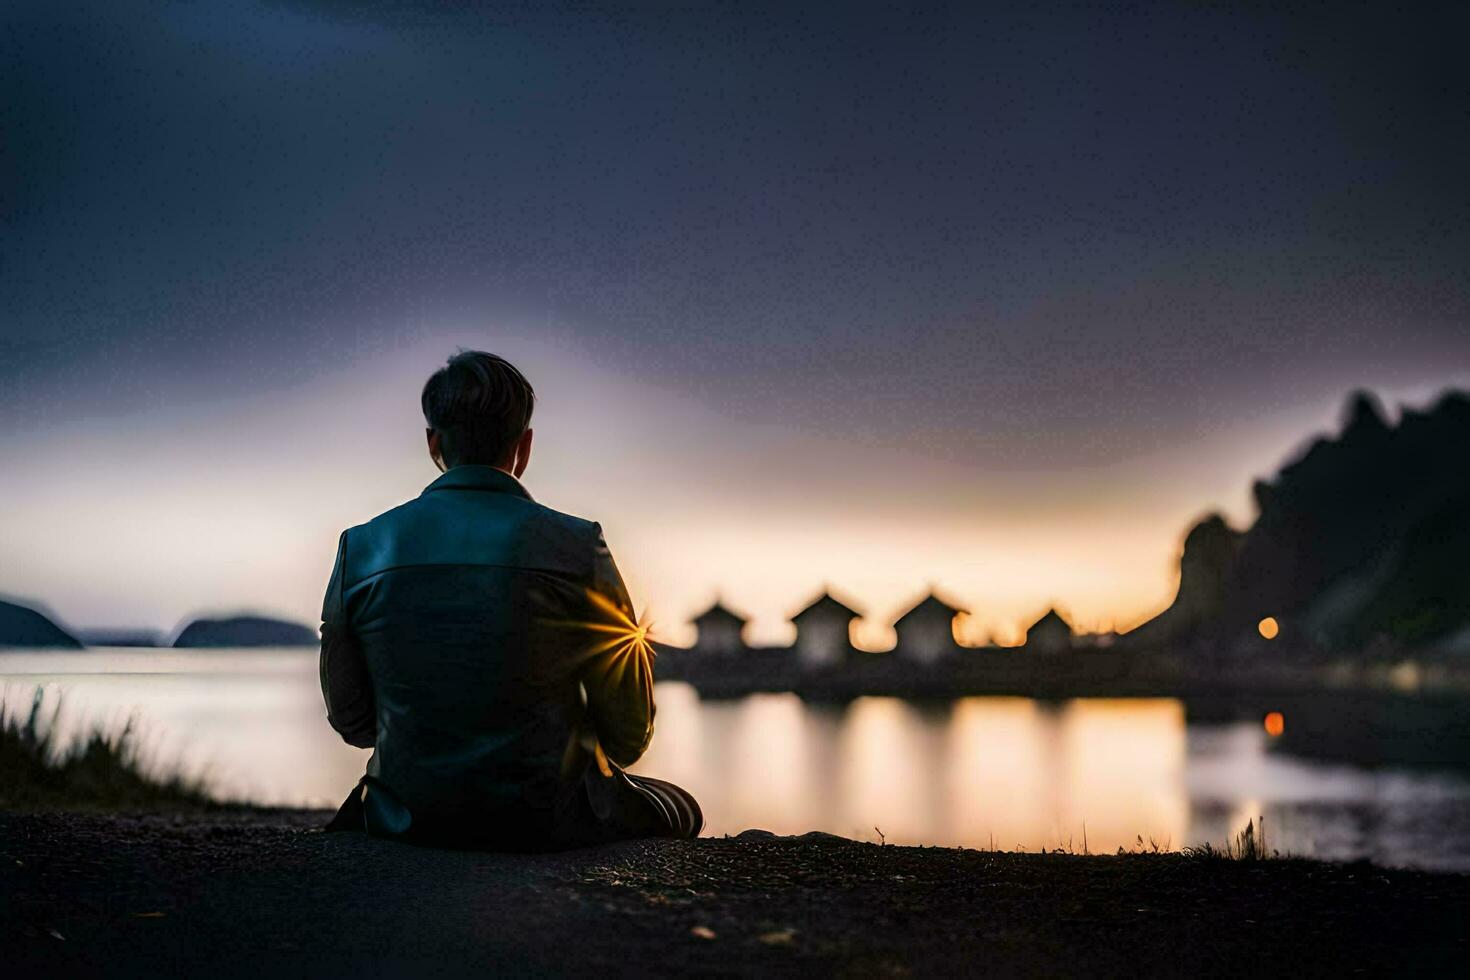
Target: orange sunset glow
(694, 505)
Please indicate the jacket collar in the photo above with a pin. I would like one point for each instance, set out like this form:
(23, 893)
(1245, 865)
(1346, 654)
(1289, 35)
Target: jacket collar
(470, 477)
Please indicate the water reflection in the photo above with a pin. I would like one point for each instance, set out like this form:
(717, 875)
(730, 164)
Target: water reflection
(1122, 774)
(996, 753)
(981, 772)
(252, 725)
(880, 787)
(769, 760)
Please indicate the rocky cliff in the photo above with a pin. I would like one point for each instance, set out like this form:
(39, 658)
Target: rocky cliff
(1361, 541)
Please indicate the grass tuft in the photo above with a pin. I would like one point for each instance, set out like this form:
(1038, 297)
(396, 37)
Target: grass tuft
(1249, 845)
(98, 770)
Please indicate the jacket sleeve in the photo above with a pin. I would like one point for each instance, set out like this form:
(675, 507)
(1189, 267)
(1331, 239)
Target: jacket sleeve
(618, 673)
(347, 687)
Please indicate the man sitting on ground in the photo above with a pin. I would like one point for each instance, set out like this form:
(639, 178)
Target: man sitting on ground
(485, 647)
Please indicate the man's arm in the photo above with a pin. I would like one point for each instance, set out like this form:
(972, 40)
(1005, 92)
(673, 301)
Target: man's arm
(618, 679)
(347, 687)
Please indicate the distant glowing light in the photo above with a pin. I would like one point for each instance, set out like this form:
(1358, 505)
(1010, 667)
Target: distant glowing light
(1268, 627)
(1405, 676)
(1274, 723)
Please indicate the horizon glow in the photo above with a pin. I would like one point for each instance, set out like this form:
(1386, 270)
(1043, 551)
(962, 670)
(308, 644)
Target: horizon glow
(236, 506)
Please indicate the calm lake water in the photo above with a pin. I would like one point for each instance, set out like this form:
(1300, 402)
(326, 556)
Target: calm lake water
(978, 772)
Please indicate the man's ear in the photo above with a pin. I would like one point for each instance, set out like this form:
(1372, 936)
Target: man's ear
(436, 452)
(523, 453)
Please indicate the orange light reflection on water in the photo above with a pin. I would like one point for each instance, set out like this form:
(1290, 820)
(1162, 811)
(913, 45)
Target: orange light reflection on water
(886, 783)
(1123, 774)
(981, 772)
(996, 750)
(770, 760)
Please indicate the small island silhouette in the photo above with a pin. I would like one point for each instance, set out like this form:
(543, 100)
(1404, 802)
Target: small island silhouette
(245, 631)
(23, 626)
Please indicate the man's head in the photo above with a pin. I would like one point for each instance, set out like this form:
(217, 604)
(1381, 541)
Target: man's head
(478, 408)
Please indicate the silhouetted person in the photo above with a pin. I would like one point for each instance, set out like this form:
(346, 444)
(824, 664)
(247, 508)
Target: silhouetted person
(484, 647)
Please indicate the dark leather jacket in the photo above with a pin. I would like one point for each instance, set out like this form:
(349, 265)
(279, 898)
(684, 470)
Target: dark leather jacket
(469, 637)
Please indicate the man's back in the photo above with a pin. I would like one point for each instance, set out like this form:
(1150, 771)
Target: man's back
(485, 648)
(470, 610)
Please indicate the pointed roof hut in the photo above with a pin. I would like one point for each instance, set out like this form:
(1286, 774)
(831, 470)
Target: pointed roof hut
(822, 631)
(926, 631)
(719, 629)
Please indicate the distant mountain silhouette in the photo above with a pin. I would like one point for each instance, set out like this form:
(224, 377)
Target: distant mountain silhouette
(1362, 540)
(22, 626)
(246, 631)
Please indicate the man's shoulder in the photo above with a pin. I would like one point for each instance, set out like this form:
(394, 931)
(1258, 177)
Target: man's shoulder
(501, 529)
(518, 508)
(557, 540)
(580, 527)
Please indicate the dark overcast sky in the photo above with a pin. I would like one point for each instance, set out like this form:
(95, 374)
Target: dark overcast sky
(1029, 238)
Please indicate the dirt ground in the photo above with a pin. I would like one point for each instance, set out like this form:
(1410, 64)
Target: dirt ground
(262, 893)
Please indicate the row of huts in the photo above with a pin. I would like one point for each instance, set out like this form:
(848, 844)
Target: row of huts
(925, 632)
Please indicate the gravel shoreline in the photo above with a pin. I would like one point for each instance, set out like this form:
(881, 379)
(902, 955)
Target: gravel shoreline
(263, 893)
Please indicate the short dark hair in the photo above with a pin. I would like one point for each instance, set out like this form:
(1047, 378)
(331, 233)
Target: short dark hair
(479, 404)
